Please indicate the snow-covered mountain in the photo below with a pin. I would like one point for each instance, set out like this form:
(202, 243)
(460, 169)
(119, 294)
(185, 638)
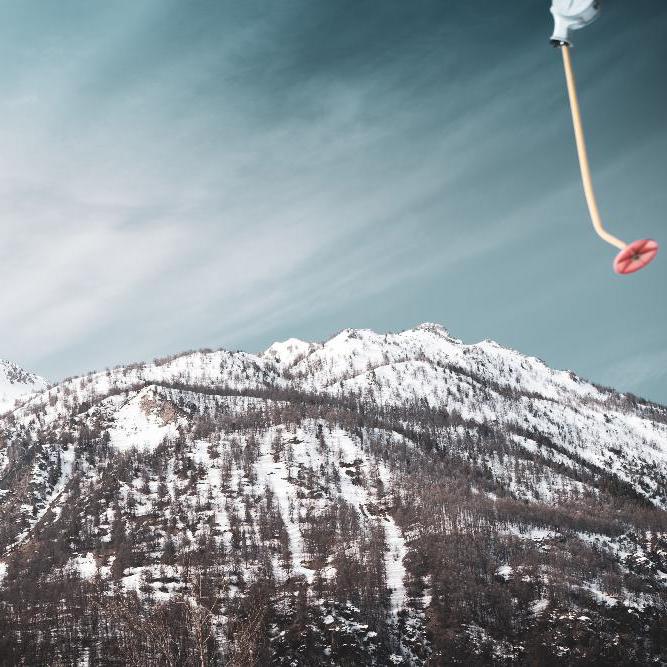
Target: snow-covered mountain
(399, 498)
(16, 383)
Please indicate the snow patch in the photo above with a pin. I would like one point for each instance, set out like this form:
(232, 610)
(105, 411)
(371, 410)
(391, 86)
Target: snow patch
(85, 566)
(142, 422)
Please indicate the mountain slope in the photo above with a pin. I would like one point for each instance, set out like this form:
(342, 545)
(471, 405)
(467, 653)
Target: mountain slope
(374, 499)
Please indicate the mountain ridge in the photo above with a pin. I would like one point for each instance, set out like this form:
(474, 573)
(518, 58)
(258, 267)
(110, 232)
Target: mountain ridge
(311, 346)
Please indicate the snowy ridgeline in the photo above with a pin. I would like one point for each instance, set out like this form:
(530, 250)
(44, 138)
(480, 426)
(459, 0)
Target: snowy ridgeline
(393, 498)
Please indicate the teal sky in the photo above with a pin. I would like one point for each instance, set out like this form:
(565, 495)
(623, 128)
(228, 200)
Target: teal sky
(176, 175)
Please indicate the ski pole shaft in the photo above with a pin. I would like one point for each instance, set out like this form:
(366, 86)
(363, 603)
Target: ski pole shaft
(583, 154)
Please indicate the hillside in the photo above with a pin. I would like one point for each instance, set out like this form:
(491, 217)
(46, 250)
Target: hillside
(374, 499)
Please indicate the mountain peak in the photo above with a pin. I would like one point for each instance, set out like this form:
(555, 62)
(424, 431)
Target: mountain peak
(16, 382)
(285, 353)
(434, 328)
(14, 374)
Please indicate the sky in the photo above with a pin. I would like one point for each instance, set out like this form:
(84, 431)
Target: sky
(184, 174)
